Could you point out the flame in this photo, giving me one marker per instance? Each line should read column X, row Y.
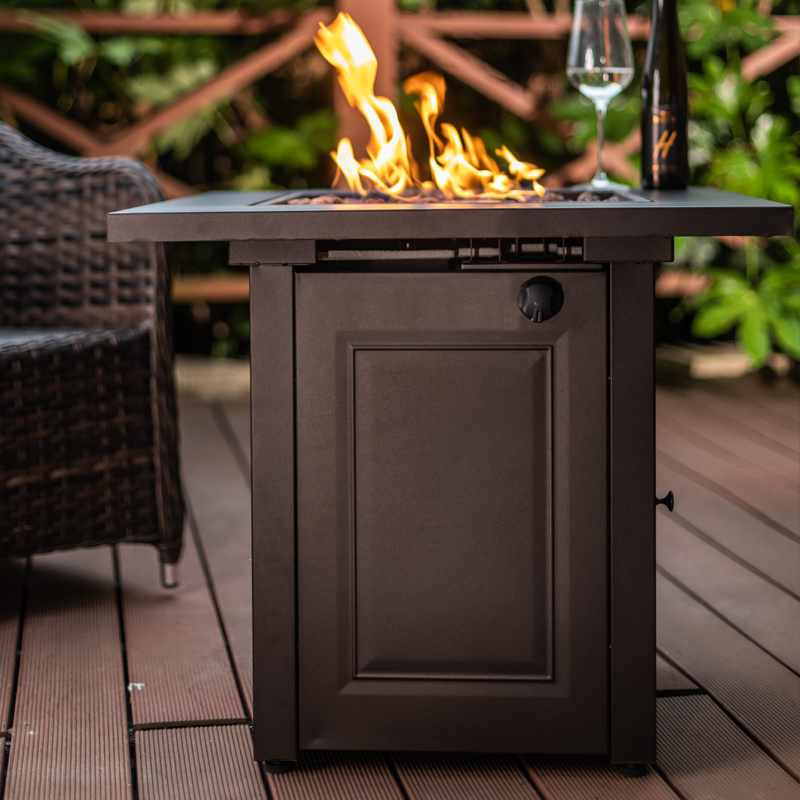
column 459, row 164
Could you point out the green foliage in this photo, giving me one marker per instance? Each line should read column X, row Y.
column 742, row 139
column 767, row 166
column 73, row 44
column 710, row 26
column 299, row 147
column 21, row 55
column 762, row 309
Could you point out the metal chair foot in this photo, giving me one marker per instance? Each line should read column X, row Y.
column 169, row 575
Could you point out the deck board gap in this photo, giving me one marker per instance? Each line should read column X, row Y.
column 520, row 762
column 664, row 777
column 189, row 723
column 229, row 435
column 398, row 778
column 198, row 542
column 712, row 542
column 676, row 582
column 125, row 675
column 711, row 485
column 680, row 692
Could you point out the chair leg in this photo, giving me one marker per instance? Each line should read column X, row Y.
column 169, row 555
column 169, row 575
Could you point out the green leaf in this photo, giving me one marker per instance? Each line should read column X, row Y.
column 719, row 316
column 120, row 50
column 787, row 335
column 282, row 147
column 711, row 26
column 319, row 128
column 184, row 136
column 157, row 89
column 781, row 281
column 21, row 55
column 753, row 335
column 73, row 43
column 297, row 148
column 793, row 90
column 724, row 283
column 253, row 177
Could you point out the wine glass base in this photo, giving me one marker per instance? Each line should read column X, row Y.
column 603, row 184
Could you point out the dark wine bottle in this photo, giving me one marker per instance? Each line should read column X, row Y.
column 665, row 146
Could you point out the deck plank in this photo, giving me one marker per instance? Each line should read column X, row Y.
column 770, row 401
column 739, row 412
column 763, row 546
column 670, row 679
column 202, row 763
column 773, row 502
column 704, row 754
column 12, row 575
column 462, row 776
column 177, row 662
column 759, row 609
column 784, row 397
column 220, row 500
column 591, row 778
column 726, row 439
column 325, row 775
column 70, row 735
column 760, row 693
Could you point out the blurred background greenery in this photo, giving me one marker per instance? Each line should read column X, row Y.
column 279, row 132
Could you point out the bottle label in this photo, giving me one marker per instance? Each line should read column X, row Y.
column 665, row 129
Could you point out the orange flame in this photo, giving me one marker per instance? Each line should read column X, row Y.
column 460, row 165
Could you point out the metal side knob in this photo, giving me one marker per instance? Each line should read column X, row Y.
column 540, row 298
column 668, row 500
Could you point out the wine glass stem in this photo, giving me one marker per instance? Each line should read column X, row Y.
column 601, row 176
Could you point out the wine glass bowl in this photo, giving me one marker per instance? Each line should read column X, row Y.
column 600, row 62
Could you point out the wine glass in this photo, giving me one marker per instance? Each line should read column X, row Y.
column 600, row 62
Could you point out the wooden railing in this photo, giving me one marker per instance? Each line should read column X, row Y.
column 387, row 29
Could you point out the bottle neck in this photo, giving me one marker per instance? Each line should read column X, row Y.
column 665, row 10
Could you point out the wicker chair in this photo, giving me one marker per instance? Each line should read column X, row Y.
column 88, row 433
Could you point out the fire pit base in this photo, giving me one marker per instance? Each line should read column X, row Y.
column 453, row 505
column 460, row 497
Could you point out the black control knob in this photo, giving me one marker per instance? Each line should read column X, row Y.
column 668, row 500
column 540, row 298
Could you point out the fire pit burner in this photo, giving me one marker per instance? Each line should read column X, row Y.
column 579, row 194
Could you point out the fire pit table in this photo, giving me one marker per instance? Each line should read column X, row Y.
column 453, row 463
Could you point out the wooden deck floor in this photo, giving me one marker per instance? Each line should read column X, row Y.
column 113, row 688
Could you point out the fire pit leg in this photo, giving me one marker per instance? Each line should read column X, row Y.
column 632, row 543
column 272, row 392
